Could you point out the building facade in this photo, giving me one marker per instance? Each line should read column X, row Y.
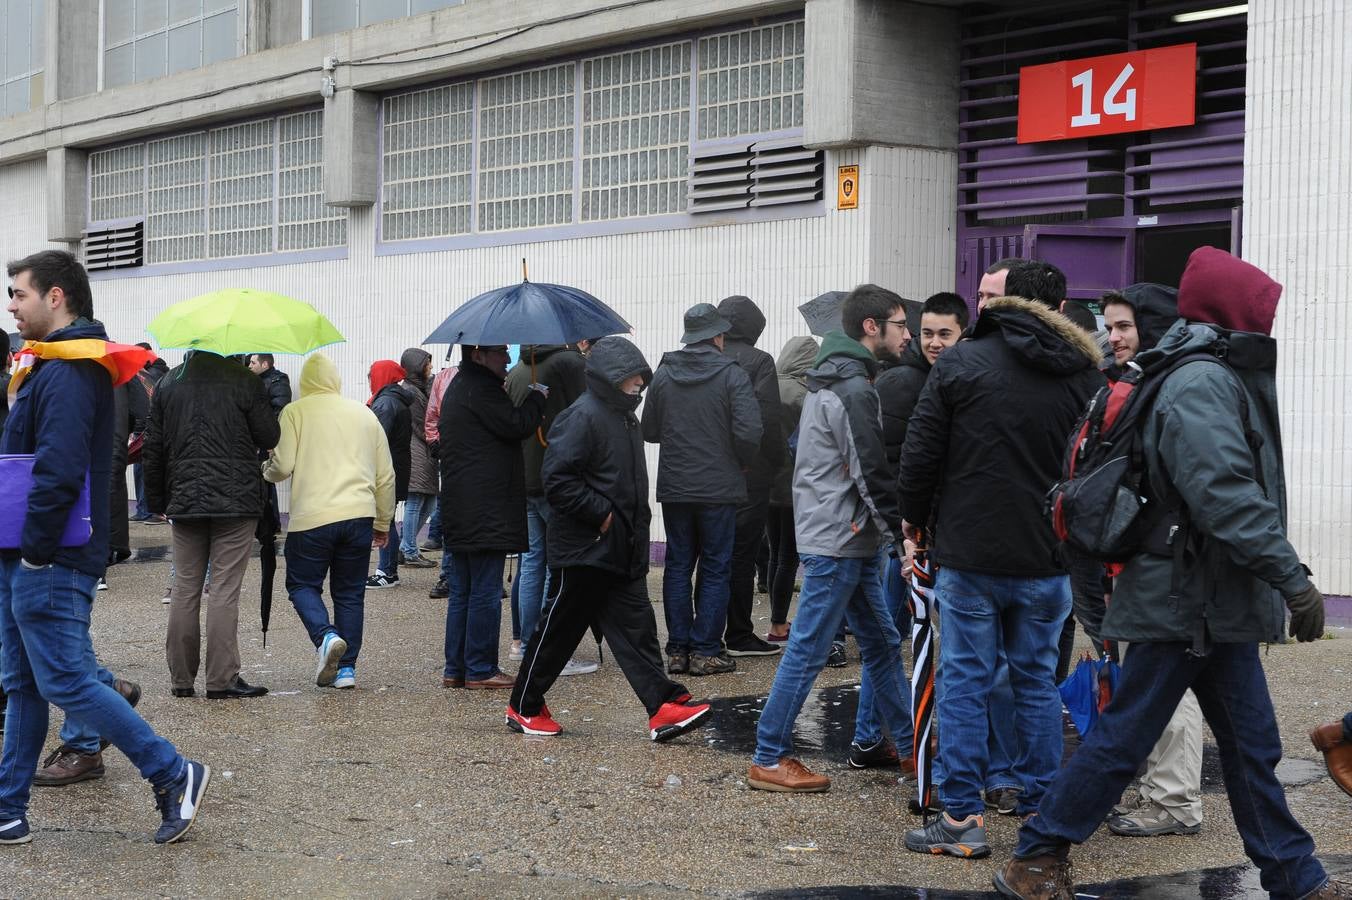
column 388, row 159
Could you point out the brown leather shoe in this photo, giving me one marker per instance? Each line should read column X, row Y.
column 499, row 682
column 66, row 765
column 792, row 777
column 1334, row 890
column 452, row 682
column 1044, row 877
column 1328, row 739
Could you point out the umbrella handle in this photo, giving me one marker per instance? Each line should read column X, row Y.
column 539, row 429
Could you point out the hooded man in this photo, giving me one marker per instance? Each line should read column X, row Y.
column 596, row 478
column 702, row 412
column 794, row 361
column 1211, row 443
column 393, row 407
column 845, row 501
column 992, row 423
column 342, row 501
column 422, row 472
column 739, row 343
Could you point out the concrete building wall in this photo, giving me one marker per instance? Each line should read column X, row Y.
column 1298, row 228
column 23, row 186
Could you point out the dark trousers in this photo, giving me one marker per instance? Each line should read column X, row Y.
column 783, row 562
column 746, row 546
column 1232, row 691
column 342, row 552
column 582, row 597
column 703, row 534
column 119, row 533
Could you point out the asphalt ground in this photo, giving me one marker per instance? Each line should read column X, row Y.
column 404, row 789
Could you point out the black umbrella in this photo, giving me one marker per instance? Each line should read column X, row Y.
column 822, row 312
column 268, row 525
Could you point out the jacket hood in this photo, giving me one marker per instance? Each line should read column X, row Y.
column 414, row 363
column 1244, row 350
column 745, row 317
column 383, row 372
column 797, row 357
column 610, row 361
column 695, row 364
column 840, row 357
column 1226, row 291
column 1041, row 338
column 78, row 330
column 1155, row 307
column 838, row 343
column 319, row 376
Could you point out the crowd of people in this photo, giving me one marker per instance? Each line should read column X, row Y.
column 911, row 429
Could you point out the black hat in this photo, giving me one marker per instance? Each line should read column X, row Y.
column 703, row 321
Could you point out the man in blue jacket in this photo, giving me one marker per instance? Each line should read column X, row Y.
column 62, row 415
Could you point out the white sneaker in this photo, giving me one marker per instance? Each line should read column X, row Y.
column 577, row 667
column 331, row 649
column 102, row 586
column 165, row 601
column 347, row 678
column 517, row 653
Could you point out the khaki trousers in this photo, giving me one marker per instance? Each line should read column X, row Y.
column 224, row 543
column 1173, row 771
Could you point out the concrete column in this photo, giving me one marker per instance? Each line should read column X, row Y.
column 351, row 161
column 67, row 193
column 881, row 72
column 72, row 52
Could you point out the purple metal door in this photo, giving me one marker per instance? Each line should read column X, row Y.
column 1095, row 258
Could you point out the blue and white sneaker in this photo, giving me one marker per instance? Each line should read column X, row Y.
column 15, row 832
column 180, row 802
column 347, row 678
column 331, row 649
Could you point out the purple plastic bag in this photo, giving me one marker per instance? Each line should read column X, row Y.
column 16, row 481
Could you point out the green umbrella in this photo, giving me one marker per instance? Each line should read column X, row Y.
column 241, row 320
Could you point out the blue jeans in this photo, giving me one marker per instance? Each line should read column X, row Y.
column 533, row 578
column 1233, row 693
column 697, row 533
column 138, row 479
column 835, row 589
column 81, row 737
column 474, row 615
column 342, row 551
column 47, row 657
column 387, row 560
column 867, row 729
column 978, row 612
column 416, row 510
column 434, row 522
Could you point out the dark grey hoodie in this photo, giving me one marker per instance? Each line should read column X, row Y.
column 740, row 344
column 702, row 411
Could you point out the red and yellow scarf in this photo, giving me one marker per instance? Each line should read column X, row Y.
column 122, row 361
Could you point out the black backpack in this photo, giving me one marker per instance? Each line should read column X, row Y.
column 1102, row 506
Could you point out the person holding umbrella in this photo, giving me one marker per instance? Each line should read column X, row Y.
column 342, row 502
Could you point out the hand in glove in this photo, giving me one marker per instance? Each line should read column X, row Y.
column 1307, row 614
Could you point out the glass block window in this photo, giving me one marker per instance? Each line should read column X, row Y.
column 330, row 16
column 428, row 150
column 117, row 187
column 751, row 81
column 526, row 149
column 22, row 40
column 303, row 219
column 239, row 195
column 635, row 132
column 176, row 200
column 144, row 39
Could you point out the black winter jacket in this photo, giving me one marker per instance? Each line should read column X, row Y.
column 564, row 371
column 898, row 390
column 702, row 411
column 483, row 484
column 740, row 343
column 393, row 406
column 595, row 466
column 988, row 435
column 208, row 420
column 278, row 385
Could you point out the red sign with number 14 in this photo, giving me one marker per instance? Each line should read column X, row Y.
column 1138, row 91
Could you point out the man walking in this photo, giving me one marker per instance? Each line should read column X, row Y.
column 342, row 500
column 739, row 343
column 208, row 420
column 991, row 422
column 702, row 412
column 596, row 479
column 483, row 481
column 1212, row 460
column 62, row 416
column 845, row 510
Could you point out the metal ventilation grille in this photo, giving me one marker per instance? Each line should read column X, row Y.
column 765, row 173
column 122, row 247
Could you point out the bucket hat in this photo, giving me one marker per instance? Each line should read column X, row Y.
column 703, row 321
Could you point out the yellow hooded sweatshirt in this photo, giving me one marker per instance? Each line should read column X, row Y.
column 335, row 453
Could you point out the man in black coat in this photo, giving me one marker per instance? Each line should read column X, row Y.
column 986, row 439
column 208, row 420
column 483, row 481
column 596, row 479
column 943, row 319
column 740, row 344
column 143, row 389
column 393, row 405
column 276, row 381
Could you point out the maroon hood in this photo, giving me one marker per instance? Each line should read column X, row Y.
column 1220, row 289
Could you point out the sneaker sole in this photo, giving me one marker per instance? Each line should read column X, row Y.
column 525, row 729
column 1004, row 889
column 962, row 851
column 327, row 670
column 667, row 732
column 1121, row 830
column 197, row 807
column 773, row 651
column 874, row 764
column 584, row 669
column 778, row 788
column 382, row 587
column 16, row 841
column 70, row 779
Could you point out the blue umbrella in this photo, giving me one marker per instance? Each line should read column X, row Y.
column 529, row 313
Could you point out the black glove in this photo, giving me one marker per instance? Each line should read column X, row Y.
column 1307, row 614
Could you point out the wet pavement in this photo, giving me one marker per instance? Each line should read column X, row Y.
column 404, row 789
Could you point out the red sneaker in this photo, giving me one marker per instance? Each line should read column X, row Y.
column 542, row 724
column 682, row 698
column 674, row 719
